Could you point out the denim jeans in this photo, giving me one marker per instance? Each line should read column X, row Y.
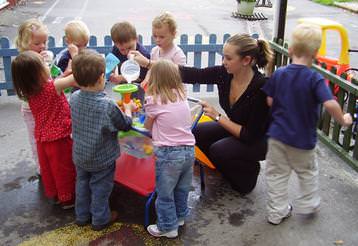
column 174, row 170
column 92, row 195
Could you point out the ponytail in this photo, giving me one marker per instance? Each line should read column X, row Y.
column 258, row 49
column 264, row 54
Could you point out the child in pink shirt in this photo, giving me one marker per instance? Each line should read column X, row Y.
column 169, row 119
column 164, row 30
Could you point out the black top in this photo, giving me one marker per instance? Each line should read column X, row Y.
column 123, row 58
column 250, row 110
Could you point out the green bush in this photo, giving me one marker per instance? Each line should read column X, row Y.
column 330, row 2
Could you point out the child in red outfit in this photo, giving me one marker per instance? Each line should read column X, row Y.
column 52, row 116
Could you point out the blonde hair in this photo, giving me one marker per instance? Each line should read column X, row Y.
column 165, row 82
column 25, row 32
column 258, row 49
column 306, row 40
column 165, row 19
column 123, row 32
column 77, row 30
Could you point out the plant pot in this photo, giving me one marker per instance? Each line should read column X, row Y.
column 245, row 8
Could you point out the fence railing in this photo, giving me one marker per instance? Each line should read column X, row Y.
column 198, row 53
column 343, row 142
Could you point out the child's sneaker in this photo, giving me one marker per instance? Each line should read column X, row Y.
column 154, row 231
column 114, row 217
column 181, row 222
column 277, row 222
column 82, row 223
column 68, row 204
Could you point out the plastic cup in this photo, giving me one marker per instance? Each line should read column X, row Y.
column 111, row 62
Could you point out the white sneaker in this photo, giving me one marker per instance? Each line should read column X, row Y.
column 181, row 222
column 154, row 231
column 277, row 222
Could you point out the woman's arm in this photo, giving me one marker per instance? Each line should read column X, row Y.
column 230, row 126
column 190, row 75
column 209, row 75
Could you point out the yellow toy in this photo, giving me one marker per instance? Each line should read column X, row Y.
column 341, row 63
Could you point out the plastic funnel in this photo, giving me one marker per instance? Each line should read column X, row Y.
column 125, row 90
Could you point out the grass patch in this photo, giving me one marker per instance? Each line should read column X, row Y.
column 330, row 2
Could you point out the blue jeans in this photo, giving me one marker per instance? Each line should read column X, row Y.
column 92, row 195
column 174, row 170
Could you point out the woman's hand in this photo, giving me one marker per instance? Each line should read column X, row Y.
column 209, row 110
column 138, row 57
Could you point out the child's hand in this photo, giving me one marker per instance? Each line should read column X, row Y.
column 47, row 56
column 138, row 57
column 347, row 118
column 73, row 49
column 132, row 106
column 144, row 84
column 68, row 70
column 129, row 108
column 116, row 79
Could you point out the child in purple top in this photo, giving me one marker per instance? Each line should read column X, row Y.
column 169, row 119
column 295, row 93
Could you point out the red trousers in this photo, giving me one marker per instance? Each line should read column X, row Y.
column 58, row 173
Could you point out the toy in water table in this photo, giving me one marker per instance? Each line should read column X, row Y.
column 136, row 142
column 55, row 71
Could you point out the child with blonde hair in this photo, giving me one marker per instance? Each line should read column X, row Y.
column 164, row 30
column 51, row 112
column 295, row 93
column 76, row 36
column 31, row 35
column 168, row 118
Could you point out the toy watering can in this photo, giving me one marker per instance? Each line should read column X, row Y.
column 130, row 70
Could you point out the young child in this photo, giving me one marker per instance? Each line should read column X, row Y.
column 124, row 36
column 96, row 122
column 295, row 93
column 169, row 119
column 76, row 36
column 164, row 30
column 31, row 35
column 32, row 82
